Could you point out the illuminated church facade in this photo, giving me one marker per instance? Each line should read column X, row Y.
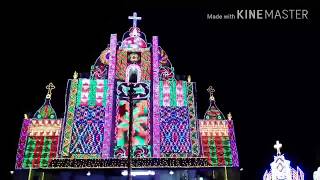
column 281, row 168
column 93, row 133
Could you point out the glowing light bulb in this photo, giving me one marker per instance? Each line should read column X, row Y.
column 171, row 172
column 88, row 173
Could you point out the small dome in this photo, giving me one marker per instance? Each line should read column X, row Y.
column 213, row 111
column 134, row 41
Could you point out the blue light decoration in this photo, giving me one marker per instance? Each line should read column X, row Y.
column 175, row 131
column 281, row 169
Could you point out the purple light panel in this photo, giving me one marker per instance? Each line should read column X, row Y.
column 22, row 143
column 111, row 75
column 155, row 85
column 235, row 160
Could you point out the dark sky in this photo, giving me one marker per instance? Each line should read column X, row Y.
column 264, row 72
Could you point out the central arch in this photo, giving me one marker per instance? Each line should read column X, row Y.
column 132, row 71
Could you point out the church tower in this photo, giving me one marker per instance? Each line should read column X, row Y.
column 39, row 137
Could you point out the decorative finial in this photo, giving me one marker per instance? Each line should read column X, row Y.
column 278, row 146
column 25, row 116
column 75, row 75
column 189, row 78
column 134, row 18
column 211, row 91
column 50, row 87
column 229, row 116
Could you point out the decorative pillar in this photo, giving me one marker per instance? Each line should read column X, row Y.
column 69, row 117
column 109, row 109
column 156, row 107
column 235, row 159
column 22, row 142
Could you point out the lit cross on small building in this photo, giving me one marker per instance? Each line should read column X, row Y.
column 134, row 18
column 50, row 87
column 278, row 146
column 211, row 91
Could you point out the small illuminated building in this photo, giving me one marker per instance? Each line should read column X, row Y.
column 281, row 169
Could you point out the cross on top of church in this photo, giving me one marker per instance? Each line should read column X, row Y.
column 278, row 146
column 134, row 18
column 211, row 90
column 50, row 87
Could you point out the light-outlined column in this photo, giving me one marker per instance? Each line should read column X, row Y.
column 155, row 95
column 109, row 109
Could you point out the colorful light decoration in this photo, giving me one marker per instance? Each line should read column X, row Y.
column 281, row 169
column 109, row 110
column 94, row 130
column 213, row 111
column 141, row 127
column 87, row 130
column 22, row 142
column 175, row 131
column 193, row 120
column 156, row 106
column 39, row 137
column 217, row 136
column 173, row 93
column 89, row 117
column 177, row 162
column 133, row 68
column 69, row 117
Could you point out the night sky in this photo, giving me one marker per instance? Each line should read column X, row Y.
column 264, row 72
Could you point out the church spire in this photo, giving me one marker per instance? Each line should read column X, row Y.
column 46, row 111
column 213, row 111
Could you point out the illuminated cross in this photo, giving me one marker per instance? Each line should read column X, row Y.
column 50, row 87
column 134, row 19
column 278, row 146
column 211, row 91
